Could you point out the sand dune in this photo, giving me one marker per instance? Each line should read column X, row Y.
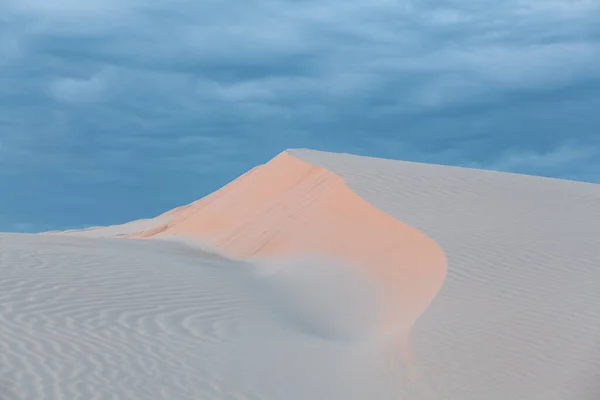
column 290, row 208
column 302, row 278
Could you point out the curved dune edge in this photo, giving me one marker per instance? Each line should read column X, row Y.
column 288, row 207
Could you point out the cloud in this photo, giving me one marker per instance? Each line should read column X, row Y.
column 69, row 12
column 105, row 97
column 556, row 158
column 76, row 90
column 562, row 161
column 9, row 48
column 557, row 9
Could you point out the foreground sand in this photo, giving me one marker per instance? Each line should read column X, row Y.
column 338, row 277
column 109, row 319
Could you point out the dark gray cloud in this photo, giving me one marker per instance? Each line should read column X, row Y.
column 106, row 104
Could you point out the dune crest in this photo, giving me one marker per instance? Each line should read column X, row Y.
column 288, row 207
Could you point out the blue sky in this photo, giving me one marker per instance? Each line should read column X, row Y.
column 112, row 110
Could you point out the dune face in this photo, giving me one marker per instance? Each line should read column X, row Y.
column 290, row 208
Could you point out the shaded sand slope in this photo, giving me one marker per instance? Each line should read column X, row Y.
column 518, row 316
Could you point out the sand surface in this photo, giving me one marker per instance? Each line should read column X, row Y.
column 85, row 318
column 318, row 276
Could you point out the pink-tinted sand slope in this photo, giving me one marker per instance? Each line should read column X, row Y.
column 288, row 207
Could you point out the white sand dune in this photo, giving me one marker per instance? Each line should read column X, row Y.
column 327, row 276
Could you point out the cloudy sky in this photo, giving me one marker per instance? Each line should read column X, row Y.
column 112, row 110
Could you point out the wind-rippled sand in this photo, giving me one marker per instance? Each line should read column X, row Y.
column 106, row 319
